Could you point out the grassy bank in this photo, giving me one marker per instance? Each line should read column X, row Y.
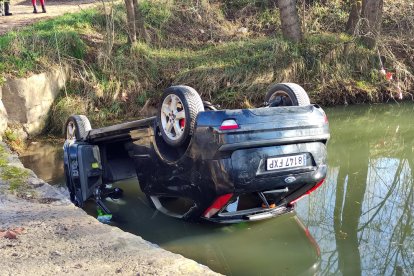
column 231, row 53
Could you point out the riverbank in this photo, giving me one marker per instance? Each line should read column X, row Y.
column 231, row 53
column 55, row 237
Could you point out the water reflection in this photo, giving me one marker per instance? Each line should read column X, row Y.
column 279, row 246
column 45, row 159
column 361, row 218
column 365, row 224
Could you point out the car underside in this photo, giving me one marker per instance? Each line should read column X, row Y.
column 223, row 166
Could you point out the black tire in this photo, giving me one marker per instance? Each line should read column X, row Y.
column 287, row 94
column 191, row 104
column 81, row 126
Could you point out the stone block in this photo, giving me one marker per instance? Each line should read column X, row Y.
column 28, row 100
column 3, row 116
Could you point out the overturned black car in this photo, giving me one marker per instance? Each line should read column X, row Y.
column 194, row 161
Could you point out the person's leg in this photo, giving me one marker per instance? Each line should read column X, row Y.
column 7, row 8
column 42, row 2
column 34, row 6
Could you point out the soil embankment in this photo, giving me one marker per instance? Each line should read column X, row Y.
column 55, row 237
column 229, row 51
column 23, row 12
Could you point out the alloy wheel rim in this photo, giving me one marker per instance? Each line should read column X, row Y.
column 70, row 131
column 173, row 117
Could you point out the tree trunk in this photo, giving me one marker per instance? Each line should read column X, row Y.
column 291, row 28
column 132, row 34
column 372, row 12
column 139, row 23
column 354, row 16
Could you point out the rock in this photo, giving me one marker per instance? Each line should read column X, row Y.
column 3, row 115
column 243, row 30
column 18, row 230
column 36, row 182
column 10, row 235
column 55, row 254
column 28, row 100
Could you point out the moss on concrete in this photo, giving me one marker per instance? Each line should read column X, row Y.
column 15, row 177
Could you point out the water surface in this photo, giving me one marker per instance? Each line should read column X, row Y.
column 360, row 222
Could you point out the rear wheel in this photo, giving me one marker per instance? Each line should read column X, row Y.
column 177, row 114
column 77, row 127
column 209, row 106
column 287, row 94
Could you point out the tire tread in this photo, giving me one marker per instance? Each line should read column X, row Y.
column 300, row 93
column 301, row 97
column 82, row 124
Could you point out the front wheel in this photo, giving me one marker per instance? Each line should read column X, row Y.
column 177, row 114
column 77, row 127
column 287, row 94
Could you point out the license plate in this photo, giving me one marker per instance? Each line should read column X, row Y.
column 286, row 162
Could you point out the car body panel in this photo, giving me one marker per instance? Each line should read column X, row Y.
column 216, row 162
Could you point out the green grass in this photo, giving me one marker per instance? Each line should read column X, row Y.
column 230, row 71
column 37, row 47
column 156, row 13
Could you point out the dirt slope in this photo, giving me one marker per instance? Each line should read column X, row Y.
column 23, row 12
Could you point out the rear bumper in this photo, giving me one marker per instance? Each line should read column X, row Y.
column 255, row 214
column 245, row 173
column 275, row 190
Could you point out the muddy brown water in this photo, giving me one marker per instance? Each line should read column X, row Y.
column 360, row 222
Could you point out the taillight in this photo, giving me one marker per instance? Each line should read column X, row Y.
column 308, row 192
column 219, row 203
column 229, row 124
column 325, row 119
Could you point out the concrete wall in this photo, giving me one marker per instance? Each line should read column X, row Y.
column 27, row 101
column 3, row 115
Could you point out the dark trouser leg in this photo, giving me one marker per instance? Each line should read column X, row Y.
column 34, row 6
column 7, row 8
column 42, row 2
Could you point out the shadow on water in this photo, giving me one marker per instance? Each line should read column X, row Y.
column 361, row 218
